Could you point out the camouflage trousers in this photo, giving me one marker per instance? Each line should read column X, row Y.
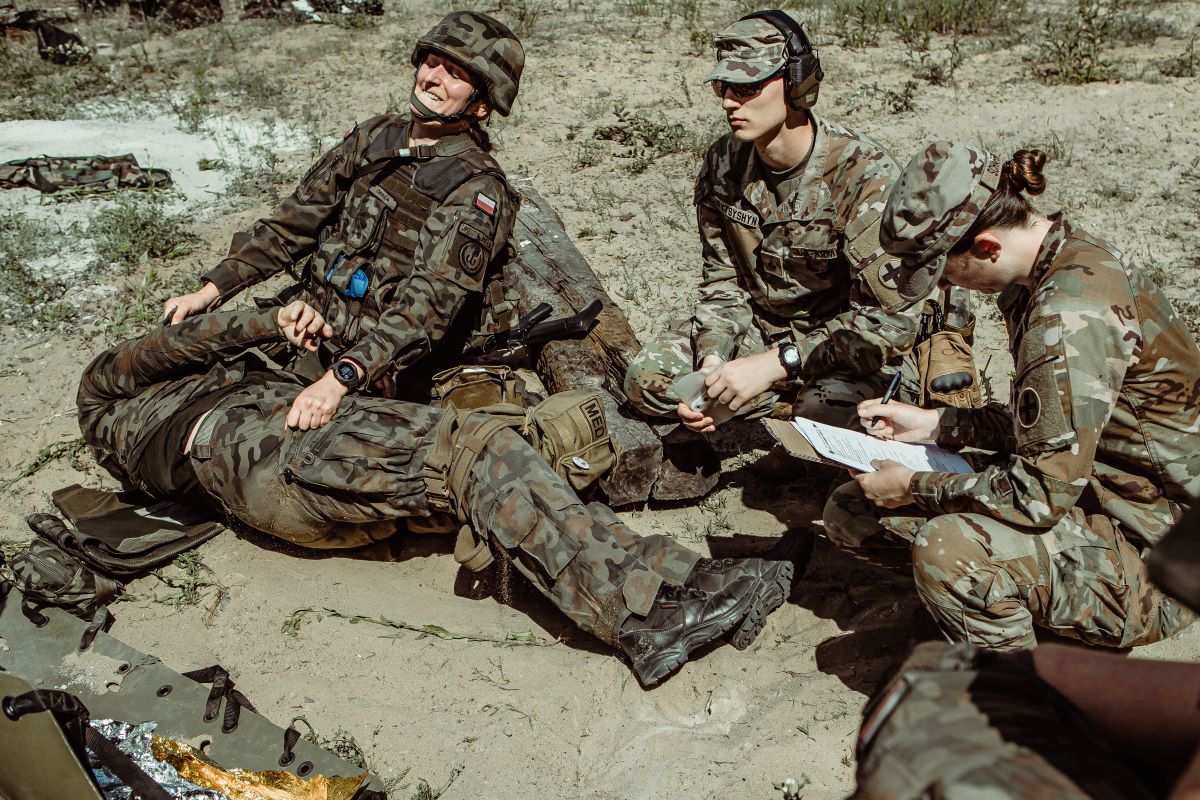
column 351, row 481
column 830, row 398
column 989, row 583
column 957, row 723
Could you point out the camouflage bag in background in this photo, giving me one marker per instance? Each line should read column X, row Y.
column 49, row 576
column 80, row 175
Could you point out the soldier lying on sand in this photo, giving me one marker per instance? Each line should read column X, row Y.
column 185, row 413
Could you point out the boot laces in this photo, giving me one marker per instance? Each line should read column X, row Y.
column 680, row 593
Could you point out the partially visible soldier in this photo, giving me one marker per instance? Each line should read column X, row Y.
column 185, row 413
column 396, row 230
column 1062, row 722
column 796, row 294
column 1097, row 455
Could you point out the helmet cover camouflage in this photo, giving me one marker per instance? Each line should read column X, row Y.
column 483, row 45
column 932, row 204
column 750, row 50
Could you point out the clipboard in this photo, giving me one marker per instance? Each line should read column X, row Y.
column 828, row 444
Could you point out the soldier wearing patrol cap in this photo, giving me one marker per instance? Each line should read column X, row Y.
column 796, row 294
column 394, row 229
column 1096, row 455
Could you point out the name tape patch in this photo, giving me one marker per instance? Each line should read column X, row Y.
column 383, row 197
column 738, row 215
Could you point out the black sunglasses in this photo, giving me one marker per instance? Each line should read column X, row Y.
column 742, row 90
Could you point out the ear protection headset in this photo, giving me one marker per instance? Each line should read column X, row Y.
column 802, row 73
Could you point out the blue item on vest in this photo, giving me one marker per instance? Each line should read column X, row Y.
column 359, row 282
column 337, row 261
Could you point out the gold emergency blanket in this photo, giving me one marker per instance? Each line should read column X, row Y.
column 240, row 784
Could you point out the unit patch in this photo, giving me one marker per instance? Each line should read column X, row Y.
column 470, row 258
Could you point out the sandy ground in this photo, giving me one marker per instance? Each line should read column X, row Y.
column 568, row 720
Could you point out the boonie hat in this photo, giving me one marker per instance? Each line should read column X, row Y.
column 749, row 50
column 937, row 198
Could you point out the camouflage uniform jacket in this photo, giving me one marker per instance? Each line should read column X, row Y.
column 400, row 240
column 1106, row 397
column 177, row 365
column 810, row 269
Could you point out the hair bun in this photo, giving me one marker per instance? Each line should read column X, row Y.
column 1024, row 171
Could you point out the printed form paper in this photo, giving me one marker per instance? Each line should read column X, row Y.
column 857, row 450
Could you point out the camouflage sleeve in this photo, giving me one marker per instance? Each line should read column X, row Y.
column 456, row 244
column 987, row 428
column 191, row 346
column 723, row 312
column 276, row 242
column 879, row 326
column 1070, row 366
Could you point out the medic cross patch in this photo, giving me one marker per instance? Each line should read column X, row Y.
column 1029, row 407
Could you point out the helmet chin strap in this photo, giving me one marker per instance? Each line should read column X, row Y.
column 424, row 112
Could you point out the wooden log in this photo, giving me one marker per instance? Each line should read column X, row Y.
column 548, row 268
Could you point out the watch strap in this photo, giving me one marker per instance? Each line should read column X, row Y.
column 789, row 358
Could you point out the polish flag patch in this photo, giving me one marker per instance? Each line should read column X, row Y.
column 485, row 204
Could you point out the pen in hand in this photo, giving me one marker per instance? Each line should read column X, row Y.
column 891, row 390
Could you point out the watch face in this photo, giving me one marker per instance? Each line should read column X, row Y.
column 346, row 373
column 791, row 355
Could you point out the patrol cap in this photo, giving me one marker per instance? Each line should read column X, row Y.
column 750, row 50
column 937, row 198
column 485, row 46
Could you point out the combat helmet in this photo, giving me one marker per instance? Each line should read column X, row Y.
column 483, row 45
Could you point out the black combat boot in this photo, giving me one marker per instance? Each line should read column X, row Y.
column 681, row 620
column 772, row 584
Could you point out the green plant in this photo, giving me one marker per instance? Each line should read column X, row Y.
column 37, row 89
column 1183, row 65
column 1116, row 190
column 528, row 15
column 939, row 71
column 859, row 22
column 1139, row 28
column 136, row 228
column 192, row 107
column 138, row 306
column 1058, row 148
column 1072, row 49
column 192, row 577
column 649, row 137
column 895, row 102
column 33, row 297
column 957, row 17
column 1189, row 312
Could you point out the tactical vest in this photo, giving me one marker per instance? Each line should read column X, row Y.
column 366, row 255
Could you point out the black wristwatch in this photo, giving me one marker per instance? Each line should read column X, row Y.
column 789, row 357
column 347, row 374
